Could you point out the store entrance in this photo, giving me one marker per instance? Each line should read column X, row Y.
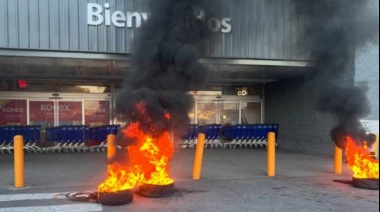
column 57, row 109
column 228, row 110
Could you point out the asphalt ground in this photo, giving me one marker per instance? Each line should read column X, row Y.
column 232, row 180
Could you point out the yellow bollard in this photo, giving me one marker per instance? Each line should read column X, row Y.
column 199, row 156
column 338, row 160
column 111, row 148
column 18, row 144
column 271, row 154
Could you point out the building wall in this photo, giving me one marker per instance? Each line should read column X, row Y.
column 260, row 29
column 367, row 71
column 302, row 129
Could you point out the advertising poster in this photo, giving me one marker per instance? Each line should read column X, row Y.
column 42, row 113
column 97, row 112
column 70, row 113
column 13, row 112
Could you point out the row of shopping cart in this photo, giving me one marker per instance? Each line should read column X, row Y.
column 76, row 138
column 30, row 133
column 232, row 136
column 67, row 138
column 212, row 136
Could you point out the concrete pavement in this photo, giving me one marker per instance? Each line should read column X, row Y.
column 232, row 180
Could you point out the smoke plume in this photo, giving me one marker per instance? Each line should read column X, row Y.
column 335, row 29
column 164, row 67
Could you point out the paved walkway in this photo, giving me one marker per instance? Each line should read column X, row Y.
column 232, row 180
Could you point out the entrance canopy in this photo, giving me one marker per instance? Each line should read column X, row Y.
column 99, row 67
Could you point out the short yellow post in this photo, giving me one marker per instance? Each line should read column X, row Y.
column 111, row 148
column 271, row 154
column 338, row 160
column 18, row 144
column 199, row 156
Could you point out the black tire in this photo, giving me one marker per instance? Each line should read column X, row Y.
column 115, row 199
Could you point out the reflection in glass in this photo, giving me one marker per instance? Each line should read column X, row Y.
column 251, row 113
column 229, row 113
column 207, row 113
column 192, row 116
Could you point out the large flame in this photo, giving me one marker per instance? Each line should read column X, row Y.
column 360, row 161
column 148, row 163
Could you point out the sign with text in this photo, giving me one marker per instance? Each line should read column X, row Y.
column 98, row 15
column 42, row 113
column 97, row 112
column 70, row 112
column 13, row 112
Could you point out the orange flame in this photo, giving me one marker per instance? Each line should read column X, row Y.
column 120, row 178
column 360, row 161
column 149, row 159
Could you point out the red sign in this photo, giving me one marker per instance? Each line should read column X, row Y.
column 70, row 112
column 97, row 112
column 12, row 112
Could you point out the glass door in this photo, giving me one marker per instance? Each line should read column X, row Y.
column 70, row 112
column 207, row 112
column 217, row 112
column 42, row 112
column 97, row 112
column 251, row 113
column 229, row 113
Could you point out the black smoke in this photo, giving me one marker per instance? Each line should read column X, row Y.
column 335, row 29
column 164, row 67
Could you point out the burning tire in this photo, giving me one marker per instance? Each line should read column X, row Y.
column 114, row 199
column 366, row 183
column 156, row 191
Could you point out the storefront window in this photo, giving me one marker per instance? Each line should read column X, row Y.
column 192, row 116
column 251, row 113
column 42, row 113
column 13, row 112
column 229, row 113
column 70, row 113
column 207, row 113
column 96, row 112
